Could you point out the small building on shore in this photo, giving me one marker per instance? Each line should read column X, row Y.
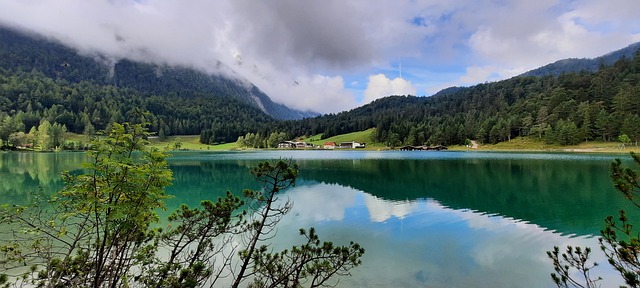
column 294, row 145
column 329, row 145
column 410, row 148
column 422, row 148
column 303, row 145
column 352, row 144
column 287, row 145
column 437, row 148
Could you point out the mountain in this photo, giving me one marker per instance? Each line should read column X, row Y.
column 588, row 65
column 43, row 80
column 22, row 52
column 565, row 109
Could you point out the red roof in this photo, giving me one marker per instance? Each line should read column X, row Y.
column 329, row 144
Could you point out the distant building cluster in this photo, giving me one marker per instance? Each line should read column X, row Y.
column 422, row 148
column 326, row 145
column 294, row 145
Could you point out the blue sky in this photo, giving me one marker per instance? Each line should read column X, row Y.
column 333, row 55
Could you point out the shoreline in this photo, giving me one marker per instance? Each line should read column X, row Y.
column 515, row 145
column 577, row 150
column 599, row 150
column 454, row 149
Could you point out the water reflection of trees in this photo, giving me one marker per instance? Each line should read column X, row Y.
column 24, row 173
column 198, row 180
column 569, row 196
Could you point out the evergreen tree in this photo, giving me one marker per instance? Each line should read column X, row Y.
column 631, row 127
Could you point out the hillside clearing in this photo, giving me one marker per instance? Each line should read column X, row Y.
column 532, row 143
column 360, row 136
column 190, row 142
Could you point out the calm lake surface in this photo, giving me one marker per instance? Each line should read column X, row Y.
column 427, row 219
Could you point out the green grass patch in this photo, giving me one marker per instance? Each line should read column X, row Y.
column 312, row 138
column 223, row 147
column 527, row 143
column 534, row 143
column 521, row 143
column 189, row 142
column 361, row 136
column 69, row 136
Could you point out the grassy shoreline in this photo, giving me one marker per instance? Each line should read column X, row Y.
column 520, row 144
column 533, row 144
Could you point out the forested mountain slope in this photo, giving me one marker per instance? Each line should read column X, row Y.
column 564, row 109
column 26, row 53
column 27, row 98
column 43, row 80
column 587, row 65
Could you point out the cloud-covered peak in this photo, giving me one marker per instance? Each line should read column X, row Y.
column 320, row 45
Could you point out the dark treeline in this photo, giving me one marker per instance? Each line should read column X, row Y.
column 566, row 109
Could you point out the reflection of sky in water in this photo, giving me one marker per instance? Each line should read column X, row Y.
column 420, row 243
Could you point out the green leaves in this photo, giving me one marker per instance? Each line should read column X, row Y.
column 276, row 175
column 627, row 180
column 312, row 264
column 577, row 258
column 99, row 230
column 91, row 232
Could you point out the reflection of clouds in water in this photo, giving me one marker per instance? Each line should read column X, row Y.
column 320, row 202
column 520, row 242
column 381, row 210
column 424, row 243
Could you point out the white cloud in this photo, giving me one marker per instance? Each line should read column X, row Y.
column 318, row 44
column 619, row 14
column 318, row 93
column 271, row 45
column 478, row 74
column 380, row 86
column 536, row 33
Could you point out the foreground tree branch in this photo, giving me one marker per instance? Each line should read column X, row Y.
column 101, row 230
column 618, row 241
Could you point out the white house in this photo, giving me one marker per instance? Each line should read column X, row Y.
column 293, row 145
column 351, row 144
column 287, row 144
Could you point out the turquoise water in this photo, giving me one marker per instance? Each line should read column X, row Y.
column 427, row 219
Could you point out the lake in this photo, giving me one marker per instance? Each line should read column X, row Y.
column 426, row 219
